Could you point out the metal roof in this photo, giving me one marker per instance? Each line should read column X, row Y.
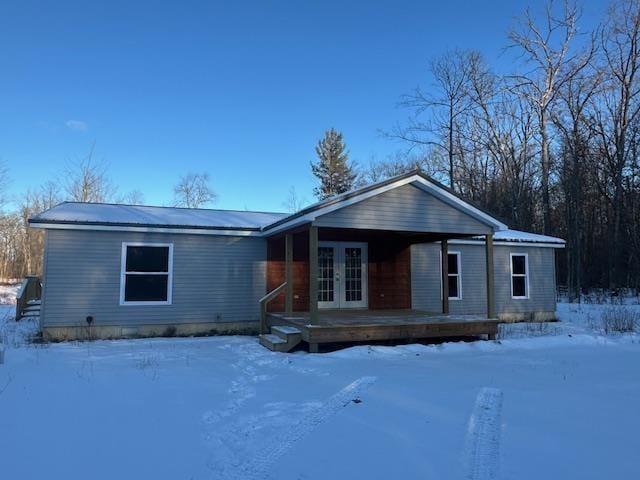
column 75, row 213
column 153, row 218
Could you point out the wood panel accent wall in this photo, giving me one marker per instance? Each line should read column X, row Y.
column 275, row 272
column 389, row 267
column 389, row 274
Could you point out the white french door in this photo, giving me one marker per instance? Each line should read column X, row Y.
column 342, row 275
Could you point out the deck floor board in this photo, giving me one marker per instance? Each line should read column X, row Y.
column 368, row 325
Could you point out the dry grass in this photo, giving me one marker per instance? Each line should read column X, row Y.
column 619, row 320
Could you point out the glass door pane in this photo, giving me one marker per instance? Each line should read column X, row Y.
column 326, row 286
column 353, row 274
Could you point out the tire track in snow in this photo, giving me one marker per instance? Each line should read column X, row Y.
column 259, row 466
column 483, row 436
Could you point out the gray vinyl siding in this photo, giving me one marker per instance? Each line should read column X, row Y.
column 43, row 293
column 215, row 279
column 542, row 280
column 406, row 208
column 426, row 285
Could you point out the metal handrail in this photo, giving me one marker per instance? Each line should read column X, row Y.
column 263, row 305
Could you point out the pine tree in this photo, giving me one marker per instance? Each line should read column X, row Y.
column 332, row 168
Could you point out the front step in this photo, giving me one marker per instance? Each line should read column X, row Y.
column 290, row 334
column 32, row 310
column 282, row 339
column 273, row 342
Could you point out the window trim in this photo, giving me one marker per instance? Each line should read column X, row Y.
column 123, row 274
column 525, row 276
column 458, row 254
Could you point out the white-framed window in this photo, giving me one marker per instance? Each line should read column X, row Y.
column 519, row 275
column 146, row 273
column 454, row 268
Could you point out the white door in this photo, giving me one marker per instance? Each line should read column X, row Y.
column 342, row 275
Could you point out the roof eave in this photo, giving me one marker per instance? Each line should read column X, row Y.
column 143, row 228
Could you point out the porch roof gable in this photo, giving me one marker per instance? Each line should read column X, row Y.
column 416, row 178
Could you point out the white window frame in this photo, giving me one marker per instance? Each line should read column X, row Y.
column 525, row 276
column 459, row 274
column 124, row 273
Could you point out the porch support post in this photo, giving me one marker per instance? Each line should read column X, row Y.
column 313, row 274
column 491, row 311
column 288, row 273
column 445, row 275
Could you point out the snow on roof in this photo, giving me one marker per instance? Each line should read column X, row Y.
column 519, row 236
column 138, row 215
column 206, row 219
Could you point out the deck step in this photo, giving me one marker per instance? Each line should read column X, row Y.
column 286, row 332
column 32, row 308
column 30, row 314
column 282, row 338
column 273, row 342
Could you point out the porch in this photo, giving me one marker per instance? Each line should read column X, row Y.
column 360, row 280
column 365, row 325
column 341, row 270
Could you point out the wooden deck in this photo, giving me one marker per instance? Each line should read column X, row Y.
column 357, row 325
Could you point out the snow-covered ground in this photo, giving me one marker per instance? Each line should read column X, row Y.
column 8, row 293
column 554, row 401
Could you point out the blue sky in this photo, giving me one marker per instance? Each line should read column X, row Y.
column 242, row 90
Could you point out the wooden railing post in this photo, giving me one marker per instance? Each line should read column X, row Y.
column 30, row 289
column 288, row 273
column 445, row 275
column 263, row 305
column 491, row 312
column 313, row 274
column 263, row 318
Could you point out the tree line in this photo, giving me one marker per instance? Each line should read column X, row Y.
column 552, row 146
column 83, row 180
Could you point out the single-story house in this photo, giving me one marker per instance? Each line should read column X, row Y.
column 402, row 258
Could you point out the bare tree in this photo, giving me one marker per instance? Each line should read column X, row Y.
column 574, row 122
column 49, row 195
column 397, row 164
column 4, row 183
column 134, row 197
column 86, row 180
column 32, row 241
column 21, row 247
column 193, row 191
column 437, row 112
column 618, row 112
column 294, row 202
column 547, row 49
column 10, row 246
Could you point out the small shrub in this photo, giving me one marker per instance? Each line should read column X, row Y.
column 619, row 320
column 170, row 331
column 592, row 321
column 537, row 328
